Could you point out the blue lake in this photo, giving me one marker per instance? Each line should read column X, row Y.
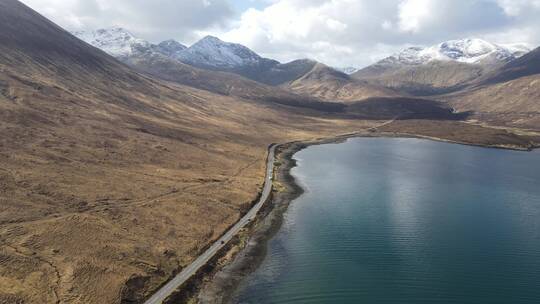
column 406, row 221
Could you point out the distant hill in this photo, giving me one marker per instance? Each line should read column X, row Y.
column 509, row 94
column 332, row 85
column 527, row 65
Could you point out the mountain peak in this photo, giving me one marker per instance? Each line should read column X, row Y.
column 115, row 41
column 171, row 42
column 212, row 51
column 171, row 48
column 211, row 38
column 216, row 42
column 468, row 50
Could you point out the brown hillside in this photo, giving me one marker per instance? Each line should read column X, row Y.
column 429, row 79
column 331, row 85
column 111, row 180
column 508, row 95
column 223, row 83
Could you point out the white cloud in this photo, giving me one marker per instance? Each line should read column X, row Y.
column 387, row 25
column 356, row 32
column 337, row 32
column 517, row 7
column 413, row 13
column 153, row 20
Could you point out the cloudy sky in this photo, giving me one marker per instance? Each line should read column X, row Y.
column 336, row 32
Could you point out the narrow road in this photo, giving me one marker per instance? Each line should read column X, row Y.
column 165, row 291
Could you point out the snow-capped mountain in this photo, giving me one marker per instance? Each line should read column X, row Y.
column 473, row 51
column 208, row 52
column 171, row 48
column 441, row 68
column 212, row 52
column 115, row 41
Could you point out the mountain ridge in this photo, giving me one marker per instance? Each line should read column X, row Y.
column 209, row 53
column 445, row 67
column 507, row 95
column 469, row 50
column 212, row 52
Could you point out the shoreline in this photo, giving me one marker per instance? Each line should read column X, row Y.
column 221, row 282
column 221, row 288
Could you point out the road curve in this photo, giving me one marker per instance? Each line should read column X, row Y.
column 165, row 291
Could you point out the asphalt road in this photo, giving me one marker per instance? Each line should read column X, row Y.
column 192, row 268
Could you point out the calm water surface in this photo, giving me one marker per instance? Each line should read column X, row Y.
column 406, row 221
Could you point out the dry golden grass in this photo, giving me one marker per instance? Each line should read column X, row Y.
column 515, row 102
column 432, row 78
column 103, row 199
column 466, row 133
column 104, row 205
column 111, row 181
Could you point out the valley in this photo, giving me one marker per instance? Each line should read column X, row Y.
column 121, row 160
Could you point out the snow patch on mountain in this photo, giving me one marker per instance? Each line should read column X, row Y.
column 348, row 70
column 116, row 41
column 211, row 51
column 171, row 48
column 517, row 49
column 207, row 52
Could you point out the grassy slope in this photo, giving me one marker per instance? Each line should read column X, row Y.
column 509, row 95
column 429, row 79
column 328, row 84
column 110, row 180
